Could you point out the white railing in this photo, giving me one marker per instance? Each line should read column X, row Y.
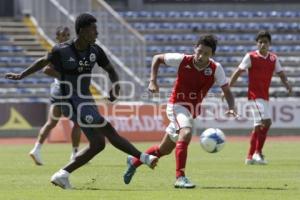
column 124, row 45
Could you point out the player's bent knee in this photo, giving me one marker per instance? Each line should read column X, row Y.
column 97, row 147
column 185, row 133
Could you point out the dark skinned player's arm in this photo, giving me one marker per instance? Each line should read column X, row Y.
column 36, row 66
column 114, row 78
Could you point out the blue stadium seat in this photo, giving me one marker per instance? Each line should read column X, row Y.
column 201, row 14
column 4, row 59
column 159, row 14
column 173, row 14
column 4, row 37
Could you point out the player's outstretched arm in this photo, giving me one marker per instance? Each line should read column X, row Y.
column 230, row 101
column 285, row 82
column 36, row 66
column 156, row 62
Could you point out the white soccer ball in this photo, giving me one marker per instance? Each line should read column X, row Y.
column 212, row 140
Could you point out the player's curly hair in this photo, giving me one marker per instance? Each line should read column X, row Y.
column 84, row 20
column 208, row 40
column 262, row 34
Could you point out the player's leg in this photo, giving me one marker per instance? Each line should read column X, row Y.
column 261, row 138
column 252, row 147
column 54, row 114
column 96, row 128
column 255, row 107
column 185, row 135
column 96, row 145
column 265, row 123
column 75, row 137
column 124, row 145
column 90, row 117
column 164, row 148
column 183, row 123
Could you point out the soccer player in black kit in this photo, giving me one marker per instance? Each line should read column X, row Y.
column 74, row 60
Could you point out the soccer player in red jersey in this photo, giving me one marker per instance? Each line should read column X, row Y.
column 196, row 74
column 62, row 35
column 261, row 65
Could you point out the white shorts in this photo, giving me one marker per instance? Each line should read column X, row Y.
column 260, row 110
column 180, row 117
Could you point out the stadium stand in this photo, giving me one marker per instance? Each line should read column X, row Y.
column 176, row 31
column 18, row 49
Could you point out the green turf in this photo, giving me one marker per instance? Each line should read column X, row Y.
column 218, row 176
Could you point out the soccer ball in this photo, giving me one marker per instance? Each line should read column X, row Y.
column 212, row 140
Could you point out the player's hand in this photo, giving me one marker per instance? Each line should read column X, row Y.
column 153, row 87
column 13, row 76
column 232, row 113
column 114, row 93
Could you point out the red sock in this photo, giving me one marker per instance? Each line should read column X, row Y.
column 181, row 157
column 261, row 138
column 154, row 150
column 253, row 142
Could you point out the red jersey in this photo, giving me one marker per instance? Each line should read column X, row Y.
column 260, row 72
column 192, row 85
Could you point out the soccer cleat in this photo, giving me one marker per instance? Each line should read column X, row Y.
column 62, row 180
column 259, row 159
column 249, row 161
column 131, row 169
column 151, row 161
column 36, row 156
column 183, row 182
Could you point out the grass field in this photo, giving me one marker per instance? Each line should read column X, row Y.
column 218, row 176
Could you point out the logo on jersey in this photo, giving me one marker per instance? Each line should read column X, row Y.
column 80, row 69
column 71, row 59
column 89, row 119
column 208, row 71
column 83, row 64
column 92, row 57
column 188, row 67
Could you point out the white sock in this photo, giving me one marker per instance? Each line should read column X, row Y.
column 143, row 157
column 75, row 150
column 37, row 146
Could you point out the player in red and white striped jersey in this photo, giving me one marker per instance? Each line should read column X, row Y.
column 261, row 64
column 196, row 74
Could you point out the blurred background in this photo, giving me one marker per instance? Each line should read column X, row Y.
column 131, row 32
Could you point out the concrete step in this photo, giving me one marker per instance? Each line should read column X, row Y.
column 15, row 31
column 37, row 54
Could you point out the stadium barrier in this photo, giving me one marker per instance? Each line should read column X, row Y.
column 147, row 122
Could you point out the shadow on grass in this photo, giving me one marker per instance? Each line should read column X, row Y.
column 112, row 189
column 197, row 188
column 243, row 188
